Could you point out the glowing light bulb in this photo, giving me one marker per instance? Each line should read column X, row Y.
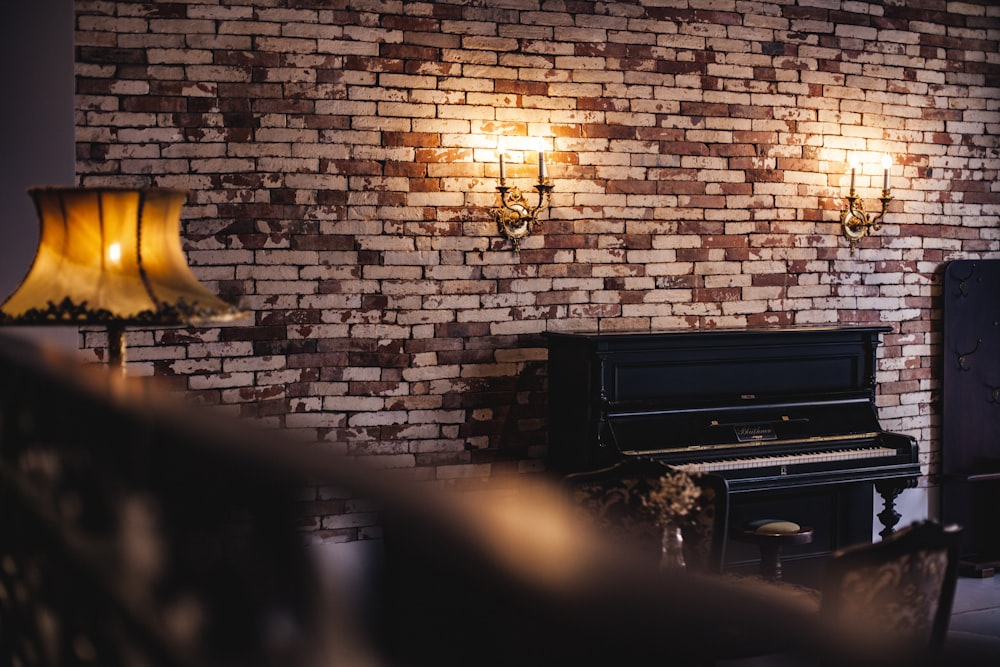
column 115, row 253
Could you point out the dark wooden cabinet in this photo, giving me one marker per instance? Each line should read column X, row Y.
column 970, row 454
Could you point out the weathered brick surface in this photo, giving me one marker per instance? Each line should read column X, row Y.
column 341, row 162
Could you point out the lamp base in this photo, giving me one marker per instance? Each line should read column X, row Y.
column 116, row 347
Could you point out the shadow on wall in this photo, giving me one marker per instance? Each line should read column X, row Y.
column 522, row 400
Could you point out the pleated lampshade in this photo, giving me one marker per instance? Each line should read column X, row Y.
column 111, row 255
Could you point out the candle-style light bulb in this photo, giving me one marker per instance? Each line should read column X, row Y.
column 886, row 165
column 501, row 149
column 854, row 166
column 541, row 166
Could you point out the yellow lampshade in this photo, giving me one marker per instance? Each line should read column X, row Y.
column 108, row 255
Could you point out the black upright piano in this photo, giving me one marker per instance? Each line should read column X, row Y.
column 786, row 415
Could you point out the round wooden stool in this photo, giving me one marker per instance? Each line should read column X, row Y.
column 770, row 535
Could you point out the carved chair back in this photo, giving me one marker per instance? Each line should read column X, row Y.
column 896, row 593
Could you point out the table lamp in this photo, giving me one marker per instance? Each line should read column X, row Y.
column 111, row 257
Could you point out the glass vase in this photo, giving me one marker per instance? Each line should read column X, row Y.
column 672, row 548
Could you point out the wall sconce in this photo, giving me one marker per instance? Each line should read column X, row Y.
column 515, row 217
column 855, row 222
column 111, row 257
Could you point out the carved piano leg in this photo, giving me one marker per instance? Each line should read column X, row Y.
column 890, row 490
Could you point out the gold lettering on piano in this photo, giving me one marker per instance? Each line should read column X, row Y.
column 754, row 432
column 784, row 470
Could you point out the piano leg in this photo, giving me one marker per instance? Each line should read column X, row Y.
column 890, row 489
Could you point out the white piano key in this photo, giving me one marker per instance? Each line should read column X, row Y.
column 788, row 459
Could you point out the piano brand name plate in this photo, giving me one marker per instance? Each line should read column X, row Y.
column 754, row 433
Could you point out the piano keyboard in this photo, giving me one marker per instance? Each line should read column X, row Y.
column 788, row 459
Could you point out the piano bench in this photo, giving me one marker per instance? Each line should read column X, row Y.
column 770, row 535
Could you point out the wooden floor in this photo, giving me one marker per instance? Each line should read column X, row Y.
column 973, row 635
column 976, row 613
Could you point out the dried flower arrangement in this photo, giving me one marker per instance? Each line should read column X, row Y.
column 672, row 498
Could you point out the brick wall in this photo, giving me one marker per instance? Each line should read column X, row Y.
column 341, row 162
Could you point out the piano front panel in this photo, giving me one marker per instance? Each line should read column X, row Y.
column 630, row 378
column 716, row 366
column 683, row 430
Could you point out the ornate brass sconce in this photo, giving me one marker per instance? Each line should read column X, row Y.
column 855, row 222
column 515, row 217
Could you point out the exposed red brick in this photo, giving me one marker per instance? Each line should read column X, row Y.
column 365, row 149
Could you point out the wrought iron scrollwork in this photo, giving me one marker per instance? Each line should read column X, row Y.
column 963, row 289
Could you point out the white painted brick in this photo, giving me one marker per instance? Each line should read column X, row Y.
column 357, row 192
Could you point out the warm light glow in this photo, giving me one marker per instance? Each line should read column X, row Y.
column 115, row 253
column 855, row 222
column 534, row 531
column 515, row 217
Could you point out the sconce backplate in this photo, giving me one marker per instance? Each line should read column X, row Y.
column 855, row 223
